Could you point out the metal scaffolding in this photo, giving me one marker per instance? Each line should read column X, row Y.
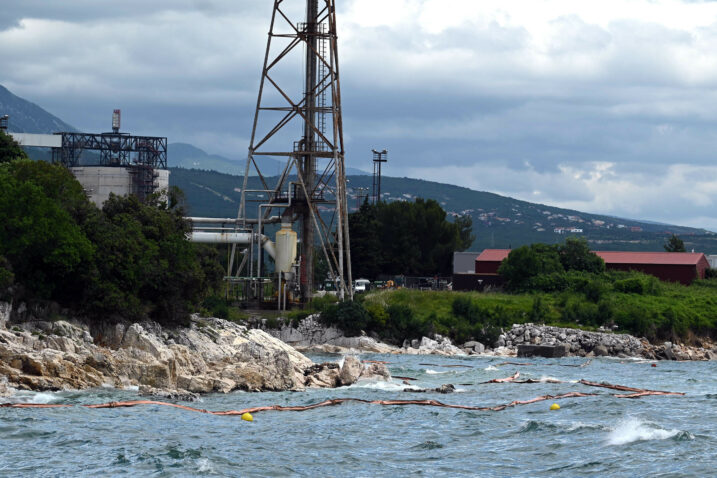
column 116, row 149
column 311, row 189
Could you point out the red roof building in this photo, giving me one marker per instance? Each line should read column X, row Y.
column 683, row 267
column 489, row 261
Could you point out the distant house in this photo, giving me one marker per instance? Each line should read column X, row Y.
column 490, row 260
column 465, row 275
column 683, row 267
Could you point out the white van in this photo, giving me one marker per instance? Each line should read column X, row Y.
column 361, row 285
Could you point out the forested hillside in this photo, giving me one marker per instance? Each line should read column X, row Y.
column 498, row 221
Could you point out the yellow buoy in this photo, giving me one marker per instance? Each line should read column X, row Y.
column 247, row 416
column 554, row 406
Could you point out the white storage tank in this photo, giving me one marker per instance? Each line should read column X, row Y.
column 285, row 248
column 99, row 181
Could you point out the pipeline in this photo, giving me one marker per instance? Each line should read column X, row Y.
column 244, row 238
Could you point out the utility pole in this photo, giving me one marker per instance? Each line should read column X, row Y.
column 360, row 196
column 379, row 157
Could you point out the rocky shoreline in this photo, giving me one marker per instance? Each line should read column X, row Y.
column 522, row 339
column 214, row 355
column 210, row 355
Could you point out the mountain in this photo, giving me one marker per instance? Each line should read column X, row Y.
column 183, row 155
column 27, row 117
column 498, row 221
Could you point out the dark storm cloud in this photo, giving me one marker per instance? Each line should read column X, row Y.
column 557, row 103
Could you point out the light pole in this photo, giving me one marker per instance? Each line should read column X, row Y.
column 378, row 158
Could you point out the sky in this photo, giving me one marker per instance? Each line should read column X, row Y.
column 606, row 107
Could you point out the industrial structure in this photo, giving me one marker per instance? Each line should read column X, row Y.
column 298, row 120
column 682, row 267
column 127, row 164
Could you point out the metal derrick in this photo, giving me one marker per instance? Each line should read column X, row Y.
column 311, row 189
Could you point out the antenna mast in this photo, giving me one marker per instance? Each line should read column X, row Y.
column 304, row 127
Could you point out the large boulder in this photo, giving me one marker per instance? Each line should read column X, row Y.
column 350, row 370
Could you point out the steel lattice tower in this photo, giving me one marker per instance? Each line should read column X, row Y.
column 304, row 127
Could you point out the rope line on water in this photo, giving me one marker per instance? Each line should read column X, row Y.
column 301, row 408
column 635, row 393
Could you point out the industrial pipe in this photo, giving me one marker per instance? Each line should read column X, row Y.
column 245, row 238
column 227, row 220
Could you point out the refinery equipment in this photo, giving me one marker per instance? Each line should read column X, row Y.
column 127, row 164
column 297, row 120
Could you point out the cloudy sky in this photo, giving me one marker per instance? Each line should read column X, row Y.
column 604, row 106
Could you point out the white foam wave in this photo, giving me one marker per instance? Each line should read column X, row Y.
column 204, row 466
column 341, row 361
column 633, row 429
column 583, row 426
column 435, row 372
column 490, row 368
column 380, row 385
column 38, row 397
column 548, row 378
column 132, row 388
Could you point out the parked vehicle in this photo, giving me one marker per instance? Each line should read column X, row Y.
column 361, row 285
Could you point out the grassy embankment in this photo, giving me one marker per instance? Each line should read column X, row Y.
column 635, row 303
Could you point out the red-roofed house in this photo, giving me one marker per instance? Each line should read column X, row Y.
column 683, row 267
column 490, row 260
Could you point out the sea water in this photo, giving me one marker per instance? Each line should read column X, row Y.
column 656, row 436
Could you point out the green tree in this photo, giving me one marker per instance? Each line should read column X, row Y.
column 465, row 231
column 9, row 149
column 366, row 251
column 527, row 262
column 405, row 238
column 44, row 244
column 674, row 244
column 576, row 255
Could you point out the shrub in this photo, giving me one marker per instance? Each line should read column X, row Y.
column 216, row 307
column 633, row 285
column 379, row 316
column 349, row 316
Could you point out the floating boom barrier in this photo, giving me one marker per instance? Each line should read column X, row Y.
column 635, row 393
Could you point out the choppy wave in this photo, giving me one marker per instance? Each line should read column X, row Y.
column 380, row 385
column 34, row 397
column 490, row 368
column 436, row 372
column 204, row 466
column 633, row 429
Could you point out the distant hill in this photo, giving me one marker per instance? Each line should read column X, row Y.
column 498, row 221
column 27, row 117
column 183, row 155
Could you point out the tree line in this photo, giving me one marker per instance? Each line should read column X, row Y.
column 128, row 260
column 409, row 238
